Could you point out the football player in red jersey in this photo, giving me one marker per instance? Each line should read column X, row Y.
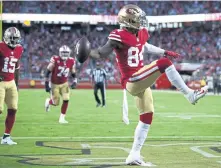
column 10, row 54
column 129, row 44
column 60, row 67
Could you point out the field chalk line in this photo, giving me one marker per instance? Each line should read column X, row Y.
column 124, row 137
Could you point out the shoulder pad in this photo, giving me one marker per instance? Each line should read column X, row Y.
column 72, row 60
column 123, row 36
column 115, row 35
column 53, row 59
column 143, row 35
column 20, row 47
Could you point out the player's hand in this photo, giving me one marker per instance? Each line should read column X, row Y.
column 74, row 84
column 171, row 54
column 17, row 87
column 47, row 88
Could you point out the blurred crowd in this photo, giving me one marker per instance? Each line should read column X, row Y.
column 111, row 7
column 196, row 44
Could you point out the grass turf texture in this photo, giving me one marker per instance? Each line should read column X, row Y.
column 178, row 128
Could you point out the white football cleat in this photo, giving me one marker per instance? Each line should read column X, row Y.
column 8, row 141
column 195, row 95
column 63, row 121
column 47, row 105
column 135, row 159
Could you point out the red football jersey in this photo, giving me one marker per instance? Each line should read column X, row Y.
column 61, row 69
column 8, row 60
column 130, row 57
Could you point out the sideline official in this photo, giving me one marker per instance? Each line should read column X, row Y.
column 99, row 76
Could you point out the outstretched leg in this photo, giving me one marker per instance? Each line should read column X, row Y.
column 147, row 75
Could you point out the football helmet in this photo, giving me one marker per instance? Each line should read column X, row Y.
column 12, row 37
column 131, row 16
column 64, row 52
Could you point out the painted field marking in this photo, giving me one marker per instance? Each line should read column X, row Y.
column 95, row 161
column 124, row 137
column 206, row 154
column 111, row 147
column 85, row 146
column 113, row 122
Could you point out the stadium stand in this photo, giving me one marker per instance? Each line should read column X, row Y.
column 196, row 42
column 112, row 7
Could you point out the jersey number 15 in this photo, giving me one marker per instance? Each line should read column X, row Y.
column 9, row 65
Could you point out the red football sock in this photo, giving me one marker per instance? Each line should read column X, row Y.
column 51, row 102
column 147, row 118
column 10, row 120
column 64, row 107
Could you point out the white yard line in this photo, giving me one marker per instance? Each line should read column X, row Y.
column 123, row 137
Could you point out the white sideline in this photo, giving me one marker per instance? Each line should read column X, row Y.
column 126, row 137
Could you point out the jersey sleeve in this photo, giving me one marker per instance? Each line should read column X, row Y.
column 114, row 35
column 143, row 35
column 53, row 60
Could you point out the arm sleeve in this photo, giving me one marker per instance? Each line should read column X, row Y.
column 149, row 48
column 47, row 73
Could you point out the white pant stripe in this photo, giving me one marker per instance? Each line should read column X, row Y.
column 135, row 78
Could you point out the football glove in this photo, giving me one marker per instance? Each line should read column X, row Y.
column 74, row 84
column 171, row 54
column 47, row 88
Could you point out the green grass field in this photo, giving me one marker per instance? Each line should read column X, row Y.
column 182, row 135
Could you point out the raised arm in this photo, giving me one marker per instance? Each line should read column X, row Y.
column 105, row 50
column 149, row 48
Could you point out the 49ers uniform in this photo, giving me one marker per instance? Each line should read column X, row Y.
column 8, row 63
column 135, row 77
column 59, row 78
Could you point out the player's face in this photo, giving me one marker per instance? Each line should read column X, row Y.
column 12, row 37
column 64, row 55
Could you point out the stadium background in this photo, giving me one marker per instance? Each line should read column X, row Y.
column 181, row 135
column 198, row 42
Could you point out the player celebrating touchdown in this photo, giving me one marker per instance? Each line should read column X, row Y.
column 10, row 54
column 129, row 44
column 60, row 67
